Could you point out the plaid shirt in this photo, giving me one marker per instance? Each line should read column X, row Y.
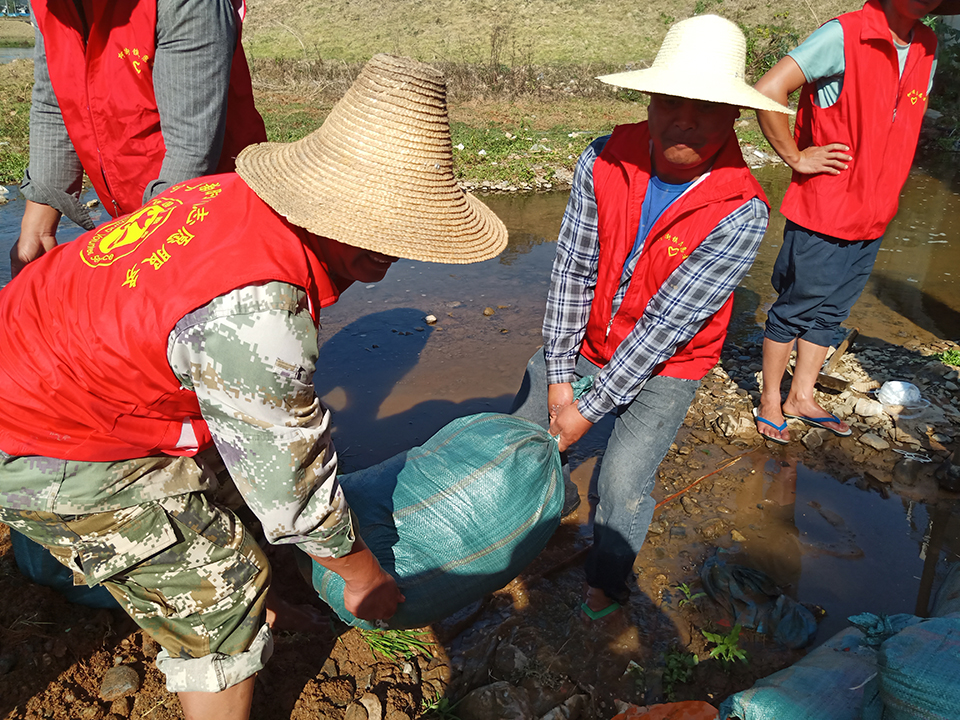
column 694, row 292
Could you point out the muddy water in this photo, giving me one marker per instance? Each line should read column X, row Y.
column 11, row 54
column 393, row 380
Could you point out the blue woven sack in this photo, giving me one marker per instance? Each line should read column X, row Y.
column 918, row 672
column 456, row 518
column 37, row 564
column 826, row 684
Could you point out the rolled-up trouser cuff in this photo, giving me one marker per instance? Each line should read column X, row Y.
column 216, row 672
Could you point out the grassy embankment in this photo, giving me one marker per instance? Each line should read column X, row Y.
column 522, row 95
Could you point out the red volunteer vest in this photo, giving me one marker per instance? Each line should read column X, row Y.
column 104, row 87
column 84, row 329
column 878, row 116
column 620, row 176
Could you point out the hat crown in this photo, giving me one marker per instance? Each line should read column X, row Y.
column 378, row 174
column 701, row 58
column 704, row 45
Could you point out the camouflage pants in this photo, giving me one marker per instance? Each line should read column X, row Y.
column 186, row 570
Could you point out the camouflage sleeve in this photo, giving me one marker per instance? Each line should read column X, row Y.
column 250, row 356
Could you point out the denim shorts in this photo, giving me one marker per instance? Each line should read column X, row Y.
column 818, row 279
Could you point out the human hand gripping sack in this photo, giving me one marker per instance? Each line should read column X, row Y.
column 569, row 425
column 369, row 592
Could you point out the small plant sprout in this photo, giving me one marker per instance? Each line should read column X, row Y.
column 727, row 647
column 950, row 357
column 397, row 644
column 440, row 708
column 689, row 595
column 677, row 669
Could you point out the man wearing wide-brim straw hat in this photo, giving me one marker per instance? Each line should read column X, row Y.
column 663, row 221
column 179, row 360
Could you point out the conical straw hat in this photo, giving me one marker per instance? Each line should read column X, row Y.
column 701, row 58
column 378, row 174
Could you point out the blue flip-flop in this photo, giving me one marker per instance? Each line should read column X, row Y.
column 819, row 422
column 778, row 428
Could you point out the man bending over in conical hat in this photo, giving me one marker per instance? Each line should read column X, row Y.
column 184, row 341
column 663, row 221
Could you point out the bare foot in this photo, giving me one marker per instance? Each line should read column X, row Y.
column 286, row 617
column 600, row 606
column 771, row 423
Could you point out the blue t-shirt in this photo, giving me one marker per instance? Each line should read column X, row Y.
column 660, row 195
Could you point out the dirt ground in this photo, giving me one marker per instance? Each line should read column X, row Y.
column 528, row 637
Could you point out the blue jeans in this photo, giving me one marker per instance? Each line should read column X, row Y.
column 641, row 436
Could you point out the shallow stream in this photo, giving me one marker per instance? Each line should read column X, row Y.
column 393, row 380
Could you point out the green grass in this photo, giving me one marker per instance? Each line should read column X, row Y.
column 397, row 644
column 16, row 81
column 511, row 32
column 950, row 357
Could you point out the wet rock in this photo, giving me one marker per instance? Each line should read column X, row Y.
column 737, row 536
column 907, row 471
column 866, row 408
column 509, row 660
column 356, row 711
column 948, row 476
column 411, row 671
column 371, row 703
column 873, row 441
column 119, row 681
column 498, row 700
column 814, row 438
column 711, row 529
column 678, row 531
column 733, row 423
column 876, row 476
column 573, row 708
column 488, row 311
column 690, row 505
column 902, row 436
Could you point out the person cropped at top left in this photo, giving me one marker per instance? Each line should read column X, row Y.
column 135, row 94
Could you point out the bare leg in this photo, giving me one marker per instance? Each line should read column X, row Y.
column 776, row 355
column 230, row 704
column 800, row 400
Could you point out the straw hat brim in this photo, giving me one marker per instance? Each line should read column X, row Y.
column 657, row 81
column 457, row 230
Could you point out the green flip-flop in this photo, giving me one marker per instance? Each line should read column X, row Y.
column 597, row 614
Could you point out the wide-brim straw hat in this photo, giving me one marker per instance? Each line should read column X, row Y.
column 378, row 174
column 701, row 58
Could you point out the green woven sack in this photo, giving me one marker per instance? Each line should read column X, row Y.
column 456, row 518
